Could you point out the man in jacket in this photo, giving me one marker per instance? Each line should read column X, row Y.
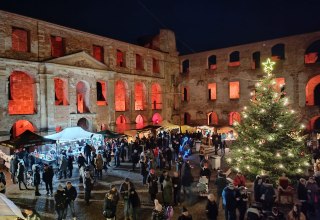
column 71, row 194
column 124, row 191
column 47, row 177
column 229, row 202
column 36, row 181
column 60, row 199
column 221, row 183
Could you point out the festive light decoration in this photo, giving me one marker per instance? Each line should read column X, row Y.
column 270, row 140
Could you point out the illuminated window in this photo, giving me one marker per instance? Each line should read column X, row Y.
column 20, row 40
column 21, row 94
column 234, row 90
column 156, row 96
column 234, row 59
column 155, row 66
column 101, row 93
column 280, row 83
column 21, row 126
column 212, row 118
column 185, row 67
column 256, row 60
column 278, row 52
column 57, row 46
column 139, row 96
column 212, row 62
column 185, row 94
column 313, row 91
column 212, row 91
column 156, row 118
column 121, row 96
column 61, row 92
column 83, row 97
column 139, row 122
column 98, row 53
column 312, row 53
column 121, row 124
column 234, row 116
column 139, row 62
column 120, row 58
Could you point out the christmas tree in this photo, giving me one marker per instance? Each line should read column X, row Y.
column 270, row 140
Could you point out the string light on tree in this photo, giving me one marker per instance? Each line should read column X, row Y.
column 270, row 132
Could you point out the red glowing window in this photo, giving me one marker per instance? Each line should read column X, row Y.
column 139, row 62
column 139, row 122
column 20, row 40
column 21, row 94
column 156, row 118
column 234, row 90
column 140, row 96
column 234, row 59
column 98, row 53
column 156, row 96
column 212, row 118
column 83, row 97
column 121, row 124
column 312, row 53
column 120, row 58
column 101, row 93
column 280, row 83
column 311, row 91
column 21, row 126
column 234, row 117
column 212, row 91
column 121, row 97
column 61, row 92
column 57, row 46
column 155, row 66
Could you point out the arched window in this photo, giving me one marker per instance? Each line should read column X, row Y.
column 21, row 126
column 312, row 53
column 83, row 97
column 234, row 116
column 185, row 67
column 156, row 96
column 101, row 93
column 212, row 62
column 156, row 118
column 98, row 53
column 21, row 94
column 139, row 62
column 278, row 52
column 212, row 118
column 140, row 96
column 121, row 96
column 234, row 59
column 256, row 60
column 83, row 123
column 212, row 91
column 61, row 91
column 187, row 118
column 314, row 123
column 312, row 93
column 139, row 122
column 121, row 123
column 121, row 59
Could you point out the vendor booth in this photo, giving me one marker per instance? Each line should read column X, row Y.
column 168, row 126
column 185, row 128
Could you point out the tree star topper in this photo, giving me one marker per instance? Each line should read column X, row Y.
column 268, row 66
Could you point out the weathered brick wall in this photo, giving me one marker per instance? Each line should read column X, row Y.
column 293, row 69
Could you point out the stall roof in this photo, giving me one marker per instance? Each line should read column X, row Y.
column 8, row 209
column 110, row 134
column 167, row 125
column 72, row 133
column 27, row 139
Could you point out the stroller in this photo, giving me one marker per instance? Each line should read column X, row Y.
column 203, row 186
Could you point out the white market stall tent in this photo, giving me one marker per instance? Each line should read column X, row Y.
column 8, row 209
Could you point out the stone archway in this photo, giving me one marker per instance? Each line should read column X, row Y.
column 311, row 89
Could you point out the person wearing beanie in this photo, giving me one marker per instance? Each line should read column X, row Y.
column 185, row 214
column 211, row 208
column 158, row 211
column 60, row 199
column 229, row 201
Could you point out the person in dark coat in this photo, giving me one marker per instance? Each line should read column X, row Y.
column 72, row 194
column 88, row 185
column 63, row 166
column 70, row 165
column 169, row 157
column 229, row 201
column 21, row 170
column 185, row 214
column 176, row 182
column 47, row 177
column 143, row 170
column 134, row 204
column 163, row 176
column 60, row 199
column 109, row 207
column 242, row 200
column 152, row 185
column 211, row 208
column 134, row 159
column 115, row 194
column 256, row 188
column 267, row 195
column 81, row 161
column 87, row 153
column 3, row 182
column 221, row 183
column 14, row 168
column 167, row 192
column 36, row 181
column 125, row 188
column 187, row 178
column 303, row 195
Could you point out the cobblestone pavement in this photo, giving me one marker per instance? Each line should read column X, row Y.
column 45, row 204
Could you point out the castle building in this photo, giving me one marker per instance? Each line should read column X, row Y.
column 53, row 77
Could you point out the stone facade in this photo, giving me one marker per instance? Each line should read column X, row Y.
column 78, row 64
column 292, row 68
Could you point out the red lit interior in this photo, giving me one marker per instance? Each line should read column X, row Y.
column 21, row 126
column 212, row 88
column 121, row 124
column 279, row 83
column 61, row 92
column 156, row 118
column 156, row 96
column 57, row 46
column 21, row 94
column 139, row 96
column 139, row 122
column 213, row 118
column 120, row 96
column 82, row 97
column 311, row 58
column 120, row 58
column 98, row 53
column 233, row 64
column 234, row 116
column 234, row 90
column 311, row 85
column 20, row 40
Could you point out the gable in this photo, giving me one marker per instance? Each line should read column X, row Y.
column 80, row 59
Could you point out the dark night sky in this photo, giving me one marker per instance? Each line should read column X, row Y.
column 198, row 24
